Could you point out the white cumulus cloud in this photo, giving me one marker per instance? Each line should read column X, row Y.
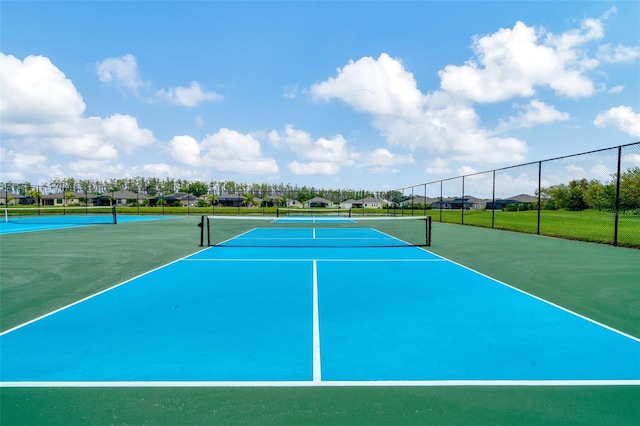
column 188, row 96
column 532, row 114
column 378, row 86
column 37, row 98
column 313, row 168
column 226, row 150
column 512, row 62
column 437, row 123
column 622, row 118
column 121, row 72
column 43, row 112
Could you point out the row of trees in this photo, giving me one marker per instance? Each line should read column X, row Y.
column 577, row 195
column 162, row 187
column 583, row 194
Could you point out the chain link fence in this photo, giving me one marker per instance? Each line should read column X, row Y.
column 592, row 196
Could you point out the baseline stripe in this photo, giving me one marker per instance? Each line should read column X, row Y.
column 371, row 383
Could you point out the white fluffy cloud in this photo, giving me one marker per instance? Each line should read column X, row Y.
column 622, row 118
column 437, row 123
column 296, row 140
column 225, row 151
column 123, row 72
column 515, row 61
column 313, row 168
column 188, row 96
column 377, row 86
column 42, row 110
column 330, row 155
column 37, row 98
column 532, row 114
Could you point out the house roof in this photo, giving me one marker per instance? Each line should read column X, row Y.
column 369, row 200
column 7, row 194
column 319, row 200
column 422, row 199
column 125, row 195
column 524, row 198
column 76, row 194
column 230, row 197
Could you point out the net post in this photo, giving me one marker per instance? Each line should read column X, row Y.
column 208, row 232
column 114, row 215
column 201, row 226
column 277, row 211
column 428, row 231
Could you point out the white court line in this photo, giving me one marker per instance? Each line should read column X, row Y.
column 314, row 383
column 310, row 259
column 317, row 363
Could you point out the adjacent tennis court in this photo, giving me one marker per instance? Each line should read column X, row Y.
column 18, row 220
column 315, row 305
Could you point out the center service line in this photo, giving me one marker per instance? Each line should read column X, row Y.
column 317, row 373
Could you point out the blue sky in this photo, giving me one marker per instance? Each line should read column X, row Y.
column 353, row 95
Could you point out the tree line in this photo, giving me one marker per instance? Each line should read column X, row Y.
column 585, row 194
column 579, row 194
column 156, row 187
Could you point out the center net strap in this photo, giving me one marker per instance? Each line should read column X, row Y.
column 336, row 232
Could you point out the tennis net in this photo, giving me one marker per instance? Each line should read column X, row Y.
column 315, row 231
column 311, row 212
column 60, row 215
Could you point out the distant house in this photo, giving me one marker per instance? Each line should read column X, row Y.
column 368, row 203
column 230, row 200
column 419, row 200
column 347, row 204
column 461, row 203
column 319, row 202
column 501, row 203
column 294, row 203
column 120, row 198
column 70, row 198
column 181, row 199
column 8, row 198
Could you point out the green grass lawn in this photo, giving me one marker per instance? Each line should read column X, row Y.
column 587, row 225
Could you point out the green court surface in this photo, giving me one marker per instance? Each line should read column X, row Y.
column 43, row 271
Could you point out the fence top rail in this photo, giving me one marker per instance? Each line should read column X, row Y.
column 521, row 165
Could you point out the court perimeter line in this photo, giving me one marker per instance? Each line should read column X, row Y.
column 329, row 383
column 308, row 259
column 317, row 363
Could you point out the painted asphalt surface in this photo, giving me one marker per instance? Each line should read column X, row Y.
column 313, row 316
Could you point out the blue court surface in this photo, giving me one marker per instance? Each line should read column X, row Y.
column 69, row 221
column 313, row 316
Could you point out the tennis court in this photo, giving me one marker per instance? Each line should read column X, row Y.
column 125, row 311
column 315, row 306
column 20, row 220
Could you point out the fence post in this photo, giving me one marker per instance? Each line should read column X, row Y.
column 493, row 202
column 462, row 204
column 441, row 201
column 539, row 194
column 617, row 209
